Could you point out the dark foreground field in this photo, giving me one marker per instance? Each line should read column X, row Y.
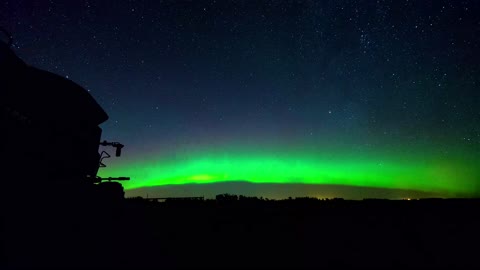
column 219, row 234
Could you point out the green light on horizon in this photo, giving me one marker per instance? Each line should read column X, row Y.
column 431, row 175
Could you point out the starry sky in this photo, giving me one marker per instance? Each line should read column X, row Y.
column 360, row 94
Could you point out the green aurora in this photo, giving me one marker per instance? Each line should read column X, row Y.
column 454, row 175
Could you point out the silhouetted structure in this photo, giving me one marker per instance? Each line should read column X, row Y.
column 226, row 197
column 49, row 141
column 50, row 131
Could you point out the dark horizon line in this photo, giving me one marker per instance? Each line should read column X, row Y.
column 200, row 198
column 349, row 190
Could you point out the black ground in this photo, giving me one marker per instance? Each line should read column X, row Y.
column 248, row 233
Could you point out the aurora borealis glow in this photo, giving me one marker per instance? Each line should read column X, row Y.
column 297, row 170
column 379, row 94
column 429, row 173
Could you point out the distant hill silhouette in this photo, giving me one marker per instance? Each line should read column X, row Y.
column 276, row 191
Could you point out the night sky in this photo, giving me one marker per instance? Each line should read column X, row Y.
column 361, row 94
